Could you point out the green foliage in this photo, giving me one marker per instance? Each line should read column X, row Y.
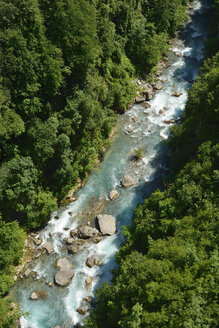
column 11, row 244
column 201, row 112
column 146, row 47
column 11, row 124
column 8, row 314
column 19, row 197
column 138, row 153
column 212, row 43
column 11, row 250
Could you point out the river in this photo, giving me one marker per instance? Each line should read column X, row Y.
column 149, row 132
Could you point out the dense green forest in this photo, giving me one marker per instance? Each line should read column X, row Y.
column 168, row 267
column 65, row 73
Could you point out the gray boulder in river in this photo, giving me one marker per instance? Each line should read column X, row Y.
column 107, row 224
column 48, row 247
column 38, row 295
column 113, row 194
column 65, row 274
column 139, row 99
column 85, row 232
column 93, row 260
column 158, row 86
column 128, row 181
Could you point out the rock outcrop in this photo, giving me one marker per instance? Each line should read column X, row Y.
column 38, row 295
column 27, row 273
column 72, row 249
column 145, row 105
column 113, row 194
column 171, row 121
column 88, row 282
column 85, row 232
column 73, row 232
column 48, row 247
column 158, row 86
column 38, row 241
column 69, row 241
column 65, row 274
column 148, row 93
column 128, row 181
column 82, row 310
column 139, row 99
column 106, row 224
column 176, row 94
column 93, row 260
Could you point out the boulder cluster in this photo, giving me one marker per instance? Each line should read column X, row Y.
column 105, row 225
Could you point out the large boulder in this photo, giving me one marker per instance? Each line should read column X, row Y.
column 38, row 241
column 38, row 295
column 82, row 310
column 146, row 105
column 69, row 241
column 88, row 282
column 64, row 277
column 172, row 121
column 27, row 273
column 139, row 99
column 128, row 181
column 74, row 233
column 48, row 247
column 65, row 274
column 113, row 194
column 93, row 260
column 107, row 224
column 148, row 94
column 73, row 249
column 63, row 263
column 176, row 94
column 158, row 86
column 85, row 232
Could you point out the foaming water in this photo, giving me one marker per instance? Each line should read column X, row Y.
column 149, row 130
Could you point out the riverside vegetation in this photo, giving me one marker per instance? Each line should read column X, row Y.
column 168, row 266
column 65, row 72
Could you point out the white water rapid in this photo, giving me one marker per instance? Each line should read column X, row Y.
column 149, row 132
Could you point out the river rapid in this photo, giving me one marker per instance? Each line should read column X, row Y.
column 149, row 132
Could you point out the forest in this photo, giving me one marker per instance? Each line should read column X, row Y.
column 65, row 75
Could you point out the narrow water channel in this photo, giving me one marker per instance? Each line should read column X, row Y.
column 149, row 131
